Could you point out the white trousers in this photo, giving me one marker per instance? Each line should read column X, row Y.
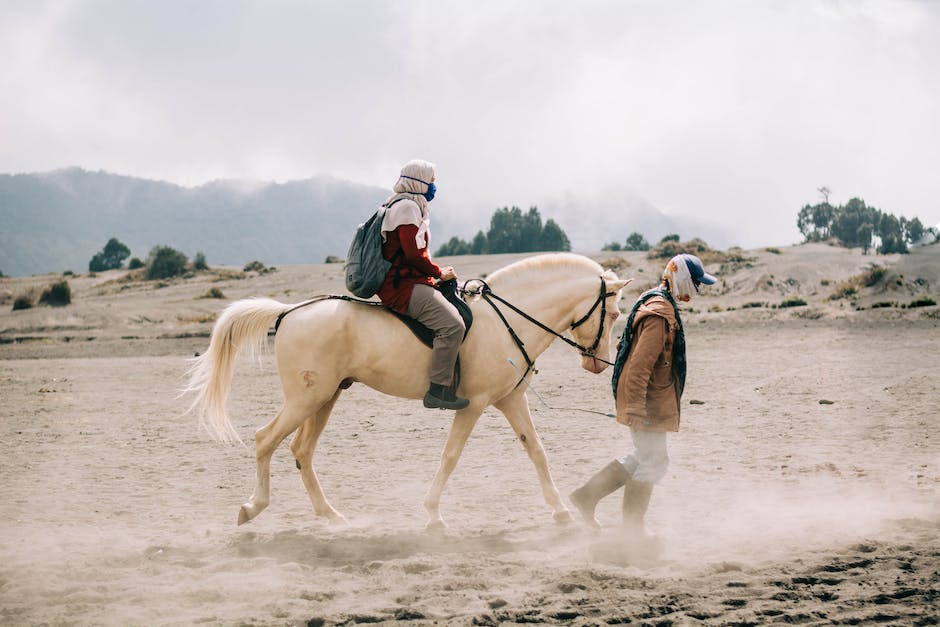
column 649, row 460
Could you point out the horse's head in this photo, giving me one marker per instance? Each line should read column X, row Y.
column 593, row 320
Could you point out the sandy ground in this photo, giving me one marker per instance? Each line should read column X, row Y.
column 118, row 509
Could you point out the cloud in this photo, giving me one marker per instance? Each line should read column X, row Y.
column 732, row 112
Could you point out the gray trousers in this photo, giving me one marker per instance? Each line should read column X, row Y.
column 650, row 459
column 429, row 307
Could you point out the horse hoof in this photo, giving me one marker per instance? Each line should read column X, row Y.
column 436, row 527
column 243, row 516
column 563, row 517
column 337, row 520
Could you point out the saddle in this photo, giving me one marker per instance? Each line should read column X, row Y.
column 449, row 290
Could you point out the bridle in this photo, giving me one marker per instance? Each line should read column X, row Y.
column 586, row 351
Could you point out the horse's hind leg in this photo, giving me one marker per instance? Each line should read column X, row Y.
column 267, row 439
column 516, row 409
column 463, row 424
column 302, row 447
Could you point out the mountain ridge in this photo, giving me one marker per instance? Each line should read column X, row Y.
column 57, row 220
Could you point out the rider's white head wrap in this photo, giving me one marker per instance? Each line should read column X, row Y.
column 415, row 177
column 411, row 185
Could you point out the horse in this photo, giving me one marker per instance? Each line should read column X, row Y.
column 321, row 347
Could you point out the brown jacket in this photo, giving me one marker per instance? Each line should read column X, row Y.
column 647, row 391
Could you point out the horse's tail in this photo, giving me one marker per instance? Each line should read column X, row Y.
column 242, row 325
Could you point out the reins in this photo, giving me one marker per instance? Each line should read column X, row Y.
column 489, row 296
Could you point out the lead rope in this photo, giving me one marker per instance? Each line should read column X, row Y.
column 544, row 402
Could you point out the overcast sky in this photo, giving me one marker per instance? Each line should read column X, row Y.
column 733, row 112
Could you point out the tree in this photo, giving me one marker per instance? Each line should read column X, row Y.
column 530, row 232
column 511, row 231
column 454, row 246
column 505, row 226
column 611, row 246
column 914, row 230
column 553, row 238
column 864, row 233
column 636, row 241
column 479, row 245
column 892, row 237
column 848, row 218
column 110, row 258
column 672, row 237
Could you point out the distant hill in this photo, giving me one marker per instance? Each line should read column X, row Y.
column 56, row 221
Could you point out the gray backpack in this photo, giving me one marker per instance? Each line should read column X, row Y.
column 366, row 268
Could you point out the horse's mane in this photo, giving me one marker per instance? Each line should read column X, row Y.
column 540, row 262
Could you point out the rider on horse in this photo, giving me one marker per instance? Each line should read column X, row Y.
column 409, row 285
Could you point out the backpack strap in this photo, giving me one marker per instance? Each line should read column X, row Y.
column 399, row 254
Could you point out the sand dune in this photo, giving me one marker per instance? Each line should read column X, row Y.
column 778, row 508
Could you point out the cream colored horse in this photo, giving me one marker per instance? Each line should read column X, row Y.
column 323, row 346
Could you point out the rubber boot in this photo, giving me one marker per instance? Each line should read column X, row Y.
column 638, row 542
column 438, row 396
column 586, row 498
column 636, row 500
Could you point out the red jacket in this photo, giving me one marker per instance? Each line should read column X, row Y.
column 412, row 266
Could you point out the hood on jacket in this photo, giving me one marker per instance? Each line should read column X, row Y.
column 656, row 306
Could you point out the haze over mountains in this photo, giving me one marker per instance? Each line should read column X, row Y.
column 56, row 221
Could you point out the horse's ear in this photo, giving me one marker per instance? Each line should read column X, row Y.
column 619, row 284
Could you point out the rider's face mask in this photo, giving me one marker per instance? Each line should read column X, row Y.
column 432, row 188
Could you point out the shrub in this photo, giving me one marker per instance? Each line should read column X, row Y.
column 199, row 262
column 793, row 302
column 773, row 250
column 872, row 276
column 135, row 263
column 333, row 259
column 68, row 273
column 254, row 266
column 924, row 301
column 56, row 295
column 213, row 292
column 165, row 262
column 844, row 290
column 752, row 305
column 883, row 304
column 666, row 249
column 23, row 301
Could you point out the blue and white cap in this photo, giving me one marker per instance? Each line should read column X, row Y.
column 697, row 270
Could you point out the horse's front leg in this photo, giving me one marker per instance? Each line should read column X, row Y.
column 516, row 409
column 302, row 447
column 464, row 421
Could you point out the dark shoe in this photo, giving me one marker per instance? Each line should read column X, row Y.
column 440, row 397
column 585, row 498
